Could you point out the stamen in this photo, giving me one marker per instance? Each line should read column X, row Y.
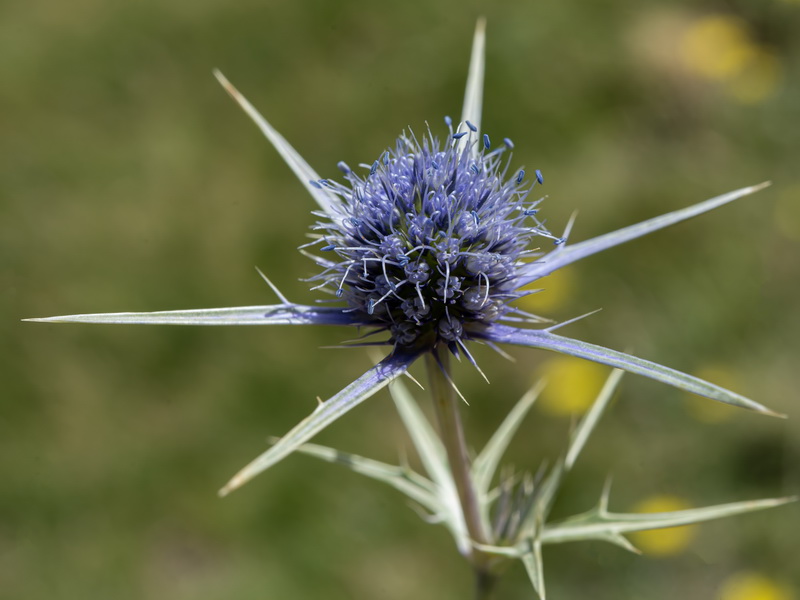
column 520, row 175
column 421, row 298
column 486, row 294
column 386, row 295
column 385, row 274
column 340, row 290
column 486, row 143
column 471, row 126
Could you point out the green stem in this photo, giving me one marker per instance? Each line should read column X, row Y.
column 484, row 584
column 445, row 404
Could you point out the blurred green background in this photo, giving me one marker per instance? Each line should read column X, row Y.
column 130, row 181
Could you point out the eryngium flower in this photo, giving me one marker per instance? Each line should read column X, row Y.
column 430, row 244
column 431, row 240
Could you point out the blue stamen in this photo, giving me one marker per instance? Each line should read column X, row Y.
column 343, row 167
column 486, row 143
column 458, row 136
column 373, row 168
column 448, row 121
column 539, row 177
column 520, row 175
column 509, row 144
column 471, row 126
column 315, row 184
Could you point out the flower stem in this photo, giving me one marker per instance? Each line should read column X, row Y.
column 445, row 404
column 484, row 584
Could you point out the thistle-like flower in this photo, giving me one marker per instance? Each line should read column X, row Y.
column 429, row 244
column 431, row 241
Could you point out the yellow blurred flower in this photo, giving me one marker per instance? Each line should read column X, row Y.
column 705, row 410
column 721, row 48
column 663, row 542
column 752, row 586
column 717, row 47
column 557, row 288
column 572, row 385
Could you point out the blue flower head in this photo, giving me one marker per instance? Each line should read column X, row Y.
column 430, row 244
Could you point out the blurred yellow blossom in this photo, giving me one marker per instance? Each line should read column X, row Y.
column 721, row 48
column 713, row 412
column 556, row 288
column 572, row 385
column 717, row 47
column 663, row 542
column 752, row 586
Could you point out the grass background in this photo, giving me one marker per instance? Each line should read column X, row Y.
column 130, row 181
